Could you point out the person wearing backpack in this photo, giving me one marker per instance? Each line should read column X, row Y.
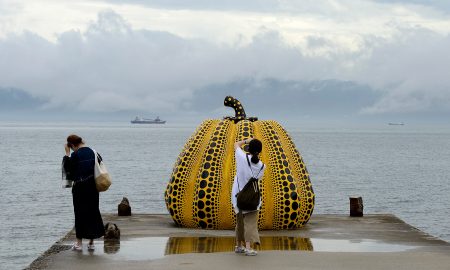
column 246, row 197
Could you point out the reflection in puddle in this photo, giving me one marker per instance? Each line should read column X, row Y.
column 180, row 245
column 111, row 246
column 137, row 249
column 149, row 248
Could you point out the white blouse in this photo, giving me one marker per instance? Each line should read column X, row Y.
column 243, row 174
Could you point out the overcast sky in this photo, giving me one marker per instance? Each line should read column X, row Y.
column 158, row 56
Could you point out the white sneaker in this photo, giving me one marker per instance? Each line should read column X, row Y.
column 76, row 247
column 239, row 249
column 250, row 252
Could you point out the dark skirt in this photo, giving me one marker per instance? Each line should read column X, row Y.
column 88, row 221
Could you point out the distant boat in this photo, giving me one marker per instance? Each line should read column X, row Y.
column 140, row 120
column 396, row 124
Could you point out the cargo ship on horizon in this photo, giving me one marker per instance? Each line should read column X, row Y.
column 140, row 120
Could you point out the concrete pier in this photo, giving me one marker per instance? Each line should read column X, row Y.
column 326, row 242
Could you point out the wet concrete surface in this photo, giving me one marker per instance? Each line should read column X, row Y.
column 150, row 248
column 152, row 241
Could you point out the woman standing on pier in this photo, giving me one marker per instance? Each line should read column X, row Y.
column 79, row 167
column 247, row 166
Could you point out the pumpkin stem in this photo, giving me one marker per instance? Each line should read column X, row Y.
column 238, row 110
column 236, row 105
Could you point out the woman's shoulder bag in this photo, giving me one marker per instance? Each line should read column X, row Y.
column 101, row 175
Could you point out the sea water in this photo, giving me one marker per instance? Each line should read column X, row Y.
column 400, row 170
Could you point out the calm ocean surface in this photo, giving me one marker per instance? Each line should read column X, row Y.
column 401, row 170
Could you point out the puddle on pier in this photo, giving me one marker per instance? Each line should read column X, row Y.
column 150, row 248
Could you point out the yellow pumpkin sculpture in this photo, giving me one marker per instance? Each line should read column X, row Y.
column 199, row 191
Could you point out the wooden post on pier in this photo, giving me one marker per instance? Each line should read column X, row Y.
column 356, row 207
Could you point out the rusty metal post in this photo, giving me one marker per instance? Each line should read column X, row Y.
column 356, row 207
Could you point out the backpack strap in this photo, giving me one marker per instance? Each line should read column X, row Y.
column 248, row 161
column 262, row 167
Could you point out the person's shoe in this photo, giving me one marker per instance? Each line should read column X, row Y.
column 76, row 247
column 239, row 249
column 91, row 247
column 250, row 252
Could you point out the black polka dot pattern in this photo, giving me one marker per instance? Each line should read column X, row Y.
column 282, row 181
column 175, row 195
column 301, row 176
column 209, row 184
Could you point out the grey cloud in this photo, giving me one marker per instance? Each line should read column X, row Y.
column 111, row 67
column 442, row 5
column 109, row 22
column 412, row 71
column 314, row 42
column 229, row 5
column 108, row 58
column 272, row 98
column 324, row 7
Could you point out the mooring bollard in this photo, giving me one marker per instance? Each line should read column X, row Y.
column 356, row 207
column 124, row 208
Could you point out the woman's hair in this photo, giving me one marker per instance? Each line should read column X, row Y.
column 255, row 147
column 74, row 140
